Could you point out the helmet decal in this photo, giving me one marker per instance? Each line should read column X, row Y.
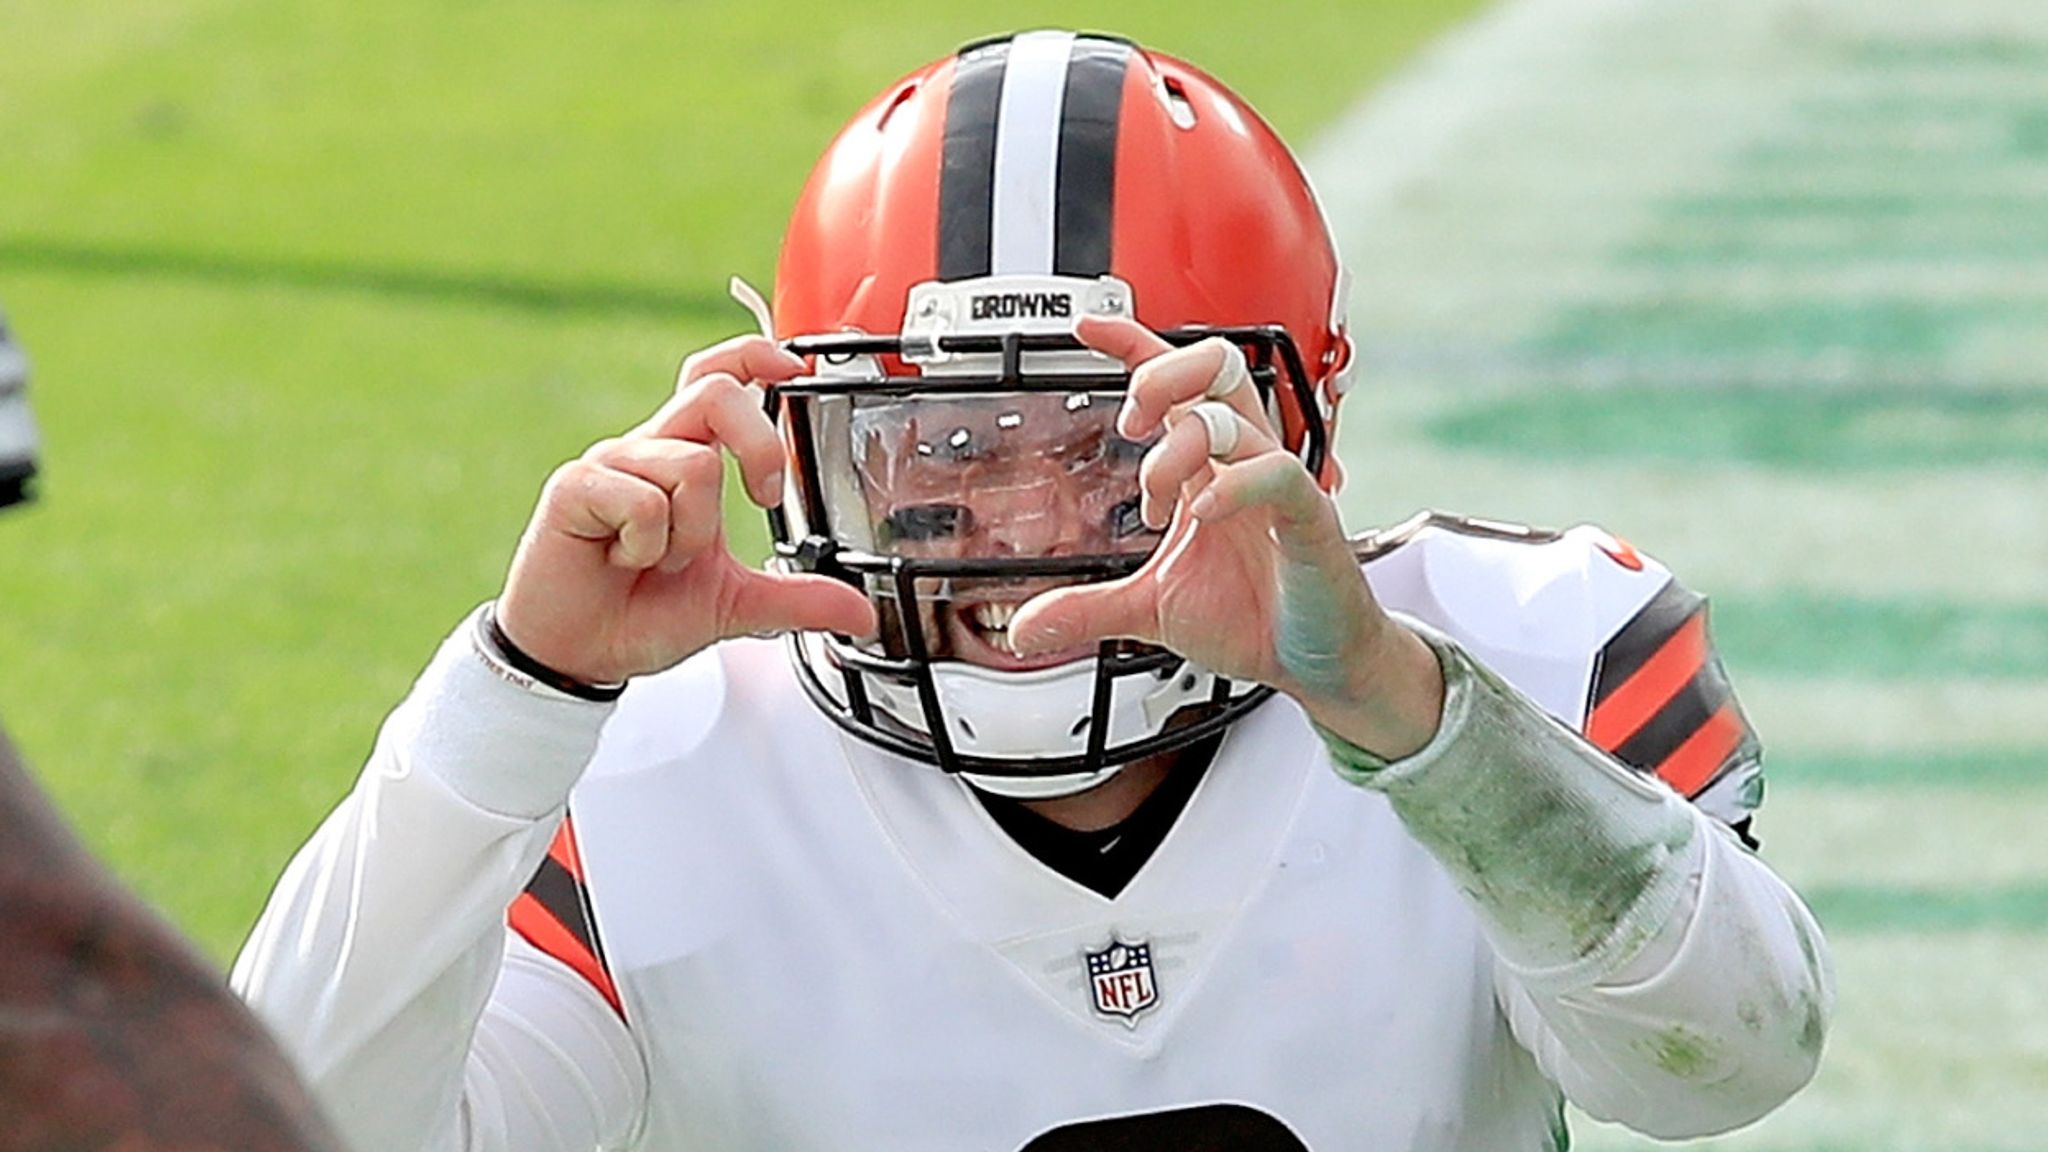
column 1028, row 167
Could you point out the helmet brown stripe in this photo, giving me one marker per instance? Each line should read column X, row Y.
column 1087, row 166
column 968, row 160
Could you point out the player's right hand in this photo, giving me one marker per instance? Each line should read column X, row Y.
column 624, row 568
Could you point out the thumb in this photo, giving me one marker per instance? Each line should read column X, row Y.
column 767, row 602
column 1070, row 617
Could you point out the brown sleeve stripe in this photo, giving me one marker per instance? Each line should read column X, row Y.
column 560, row 896
column 1679, row 717
column 1695, row 763
column 1662, row 701
column 553, row 915
column 563, row 850
column 1632, row 703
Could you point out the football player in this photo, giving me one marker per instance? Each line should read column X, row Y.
column 1097, row 794
column 113, row 1034
column 18, row 439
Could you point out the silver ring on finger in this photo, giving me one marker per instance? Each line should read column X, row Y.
column 1223, row 424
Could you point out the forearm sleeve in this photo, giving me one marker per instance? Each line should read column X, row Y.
column 1660, row 973
column 377, row 956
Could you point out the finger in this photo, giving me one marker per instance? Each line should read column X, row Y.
column 1210, row 431
column 733, row 415
column 625, row 514
column 691, row 477
column 1069, row 617
column 767, row 602
column 1121, row 337
column 696, row 511
column 1303, row 515
column 750, row 357
column 719, row 409
column 668, row 463
column 1211, row 370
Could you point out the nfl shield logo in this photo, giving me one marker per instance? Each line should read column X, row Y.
column 1120, row 980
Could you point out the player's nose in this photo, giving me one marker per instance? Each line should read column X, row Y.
column 1022, row 531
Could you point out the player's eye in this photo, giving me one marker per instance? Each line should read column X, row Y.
column 928, row 522
column 1125, row 520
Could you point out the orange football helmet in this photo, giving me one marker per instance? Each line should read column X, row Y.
column 931, row 274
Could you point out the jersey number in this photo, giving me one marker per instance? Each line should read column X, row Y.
column 1202, row 1128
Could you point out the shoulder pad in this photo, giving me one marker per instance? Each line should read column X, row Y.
column 1370, row 546
column 1535, row 605
column 1599, row 635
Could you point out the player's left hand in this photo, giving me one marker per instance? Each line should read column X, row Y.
column 1253, row 578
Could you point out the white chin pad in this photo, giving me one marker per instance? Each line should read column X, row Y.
column 1044, row 712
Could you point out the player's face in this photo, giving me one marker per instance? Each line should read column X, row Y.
column 1007, row 476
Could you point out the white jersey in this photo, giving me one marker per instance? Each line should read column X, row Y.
column 765, row 934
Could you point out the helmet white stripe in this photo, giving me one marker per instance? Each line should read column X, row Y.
column 1027, row 154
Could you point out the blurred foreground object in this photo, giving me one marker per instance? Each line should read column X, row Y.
column 113, row 1033
column 18, row 441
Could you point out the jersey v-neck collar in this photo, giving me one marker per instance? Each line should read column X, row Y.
column 1105, row 860
column 1182, row 906
column 1213, row 858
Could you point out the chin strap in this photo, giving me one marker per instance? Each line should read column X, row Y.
column 751, row 299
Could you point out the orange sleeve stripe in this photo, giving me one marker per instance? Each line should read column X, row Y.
column 531, row 919
column 1693, row 764
column 563, row 850
column 1631, row 706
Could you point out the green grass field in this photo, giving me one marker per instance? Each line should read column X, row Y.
column 317, row 296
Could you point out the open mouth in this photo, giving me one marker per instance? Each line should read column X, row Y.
column 980, row 634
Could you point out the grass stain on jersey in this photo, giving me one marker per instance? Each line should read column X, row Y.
column 1510, row 829
column 1818, row 427
column 1682, row 1052
column 1694, row 328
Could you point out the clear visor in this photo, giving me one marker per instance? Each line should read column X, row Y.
column 995, row 476
column 992, row 496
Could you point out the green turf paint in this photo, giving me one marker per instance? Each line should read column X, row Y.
column 1992, row 54
column 1872, row 227
column 1834, row 205
column 2006, row 769
column 1895, row 639
column 1874, row 178
column 1808, row 428
column 1707, row 330
column 2030, row 134
column 1987, row 240
column 1864, row 910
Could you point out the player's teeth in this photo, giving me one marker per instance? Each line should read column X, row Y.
column 994, row 617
